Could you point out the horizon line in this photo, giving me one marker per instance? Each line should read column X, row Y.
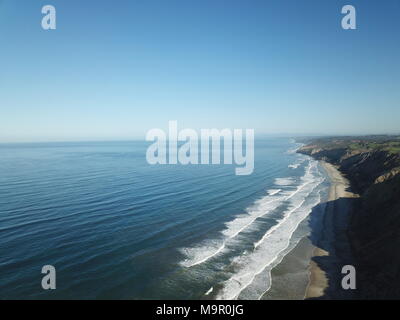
column 258, row 136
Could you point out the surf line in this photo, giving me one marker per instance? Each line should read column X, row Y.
column 287, row 215
column 208, row 257
column 232, row 236
column 236, row 295
column 222, row 247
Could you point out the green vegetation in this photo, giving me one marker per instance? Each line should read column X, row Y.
column 390, row 144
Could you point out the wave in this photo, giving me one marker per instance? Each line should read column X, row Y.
column 266, row 251
column 297, row 163
column 209, row 291
column 294, row 150
column 211, row 248
column 273, row 192
column 284, row 181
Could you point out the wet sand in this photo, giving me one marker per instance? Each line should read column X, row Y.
column 299, row 275
column 291, row 276
column 339, row 184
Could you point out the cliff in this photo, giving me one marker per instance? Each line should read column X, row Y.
column 372, row 166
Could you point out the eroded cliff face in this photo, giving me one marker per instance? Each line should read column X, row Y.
column 363, row 169
column 374, row 230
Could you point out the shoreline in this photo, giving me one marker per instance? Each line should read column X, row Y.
column 302, row 273
column 318, row 280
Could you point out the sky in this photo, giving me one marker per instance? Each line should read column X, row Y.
column 112, row 70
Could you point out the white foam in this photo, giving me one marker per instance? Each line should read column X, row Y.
column 274, row 191
column 297, row 163
column 294, row 149
column 209, row 291
column 286, row 216
column 251, row 266
column 209, row 249
column 198, row 255
column 284, row 181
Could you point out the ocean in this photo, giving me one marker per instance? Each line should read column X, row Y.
column 115, row 227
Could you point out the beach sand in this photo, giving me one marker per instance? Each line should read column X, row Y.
column 338, row 190
column 302, row 273
column 290, row 277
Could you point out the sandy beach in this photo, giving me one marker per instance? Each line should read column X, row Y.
column 313, row 266
column 318, row 282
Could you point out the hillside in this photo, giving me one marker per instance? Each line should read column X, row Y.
column 372, row 164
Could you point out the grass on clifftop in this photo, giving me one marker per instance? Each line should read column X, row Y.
column 390, row 144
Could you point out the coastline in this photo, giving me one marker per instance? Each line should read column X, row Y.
column 318, row 282
column 312, row 267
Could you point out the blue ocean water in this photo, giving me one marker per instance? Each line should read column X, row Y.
column 116, row 227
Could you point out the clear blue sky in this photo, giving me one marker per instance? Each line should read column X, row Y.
column 115, row 69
